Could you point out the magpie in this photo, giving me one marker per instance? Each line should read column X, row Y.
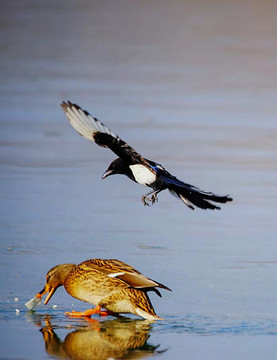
column 136, row 167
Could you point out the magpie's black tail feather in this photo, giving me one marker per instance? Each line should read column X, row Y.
column 192, row 195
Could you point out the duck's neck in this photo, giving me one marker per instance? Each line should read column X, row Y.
column 65, row 270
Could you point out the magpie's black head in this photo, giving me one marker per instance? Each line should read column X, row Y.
column 118, row 166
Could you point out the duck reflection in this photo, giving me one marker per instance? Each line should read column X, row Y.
column 119, row 339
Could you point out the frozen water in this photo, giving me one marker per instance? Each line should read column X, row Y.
column 189, row 84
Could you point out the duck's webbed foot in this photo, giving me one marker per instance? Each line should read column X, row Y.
column 106, row 313
column 86, row 313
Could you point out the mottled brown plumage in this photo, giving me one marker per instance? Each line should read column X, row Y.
column 109, row 284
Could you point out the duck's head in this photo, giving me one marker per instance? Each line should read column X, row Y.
column 55, row 278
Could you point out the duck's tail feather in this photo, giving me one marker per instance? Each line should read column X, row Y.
column 146, row 315
column 142, row 304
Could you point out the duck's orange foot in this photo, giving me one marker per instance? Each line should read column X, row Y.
column 86, row 313
column 106, row 313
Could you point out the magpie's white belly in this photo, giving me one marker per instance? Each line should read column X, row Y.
column 142, row 174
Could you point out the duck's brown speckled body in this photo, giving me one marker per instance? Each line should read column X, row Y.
column 110, row 284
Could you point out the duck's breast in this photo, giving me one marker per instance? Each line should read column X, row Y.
column 90, row 286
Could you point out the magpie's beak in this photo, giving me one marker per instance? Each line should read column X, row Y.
column 107, row 173
column 46, row 289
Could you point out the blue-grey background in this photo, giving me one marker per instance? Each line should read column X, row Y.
column 190, row 84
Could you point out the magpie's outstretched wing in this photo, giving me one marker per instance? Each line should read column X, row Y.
column 92, row 129
column 190, row 194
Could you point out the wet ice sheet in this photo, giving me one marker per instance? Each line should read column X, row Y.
column 190, row 85
column 63, row 337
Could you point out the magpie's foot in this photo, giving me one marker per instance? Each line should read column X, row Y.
column 146, row 200
column 154, row 198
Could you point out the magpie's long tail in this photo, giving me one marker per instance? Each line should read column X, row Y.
column 192, row 195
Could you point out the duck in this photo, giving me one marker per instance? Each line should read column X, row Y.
column 111, row 285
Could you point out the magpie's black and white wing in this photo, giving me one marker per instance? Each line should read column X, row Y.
column 92, row 129
column 190, row 194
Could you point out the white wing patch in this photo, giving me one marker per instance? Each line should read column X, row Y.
column 78, row 124
column 85, row 124
column 116, row 274
column 142, row 174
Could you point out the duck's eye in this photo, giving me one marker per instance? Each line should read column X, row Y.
column 48, row 276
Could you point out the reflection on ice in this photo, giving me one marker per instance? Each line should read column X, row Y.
column 93, row 339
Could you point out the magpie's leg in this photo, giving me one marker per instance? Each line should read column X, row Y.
column 146, row 200
column 154, row 197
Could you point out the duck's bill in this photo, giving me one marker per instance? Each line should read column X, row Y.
column 48, row 297
column 45, row 290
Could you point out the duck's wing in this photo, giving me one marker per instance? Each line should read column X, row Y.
column 118, row 269
column 92, row 129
